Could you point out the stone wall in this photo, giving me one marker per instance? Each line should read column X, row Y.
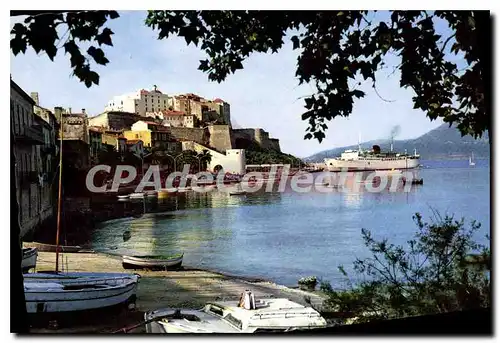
column 198, row 135
column 275, row 144
column 260, row 136
column 75, row 127
column 221, row 137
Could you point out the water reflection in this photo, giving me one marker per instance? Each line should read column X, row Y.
column 284, row 236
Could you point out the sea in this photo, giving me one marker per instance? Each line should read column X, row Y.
column 284, row 236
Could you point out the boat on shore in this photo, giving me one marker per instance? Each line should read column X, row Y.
column 70, row 292
column 152, row 262
column 29, row 258
column 60, row 292
column 43, row 247
column 244, row 316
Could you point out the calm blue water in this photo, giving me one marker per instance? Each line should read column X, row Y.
column 285, row 236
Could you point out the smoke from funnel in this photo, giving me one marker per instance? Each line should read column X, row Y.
column 394, row 132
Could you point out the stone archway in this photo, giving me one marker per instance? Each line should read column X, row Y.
column 217, row 168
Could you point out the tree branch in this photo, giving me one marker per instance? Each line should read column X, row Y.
column 376, row 91
column 38, row 13
column 446, row 42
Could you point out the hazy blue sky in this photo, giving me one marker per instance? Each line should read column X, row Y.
column 264, row 94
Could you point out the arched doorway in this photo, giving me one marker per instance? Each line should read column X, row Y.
column 217, row 168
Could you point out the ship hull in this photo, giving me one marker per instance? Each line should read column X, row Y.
column 333, row 164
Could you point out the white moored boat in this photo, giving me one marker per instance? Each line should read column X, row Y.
column 151, row 194
column 136, row 196
column 29, row 258
column 68, row 292
column 246, row 316
column 164, row 262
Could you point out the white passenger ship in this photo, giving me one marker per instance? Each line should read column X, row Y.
column 359, row 160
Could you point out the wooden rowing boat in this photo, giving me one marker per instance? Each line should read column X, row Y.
column 52, row 247
column 152, row 262
column 29, row 258
column 69, row 292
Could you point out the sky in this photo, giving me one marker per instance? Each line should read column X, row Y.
column 264, row 94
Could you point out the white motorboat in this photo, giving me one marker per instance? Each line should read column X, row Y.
column 29, row 258
column 151, row 194
column 68, row 292
column 245, row 316
column 136, row 196
column 183, row 189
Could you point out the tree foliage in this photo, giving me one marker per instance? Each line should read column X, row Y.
column 433, row 274
column 337, row 46
column 39, row 31
column 337, row 50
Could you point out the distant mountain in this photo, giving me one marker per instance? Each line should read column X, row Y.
column 443, row 142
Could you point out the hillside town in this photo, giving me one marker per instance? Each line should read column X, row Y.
column 147, row 126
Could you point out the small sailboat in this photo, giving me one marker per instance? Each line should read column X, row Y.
column 29, row 258
column 471, row 160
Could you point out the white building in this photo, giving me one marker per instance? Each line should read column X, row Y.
column 140, row 102
column 233, row 161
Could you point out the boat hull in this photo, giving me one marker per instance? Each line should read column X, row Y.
column 45, row 293
column 62, row 248
column 333, row 164
column 136, row 262
column 29, row 258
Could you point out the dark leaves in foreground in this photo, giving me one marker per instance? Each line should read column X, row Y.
column 338, row 49
column 39, row 31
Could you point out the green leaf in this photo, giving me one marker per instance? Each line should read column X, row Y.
column 295, row 41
